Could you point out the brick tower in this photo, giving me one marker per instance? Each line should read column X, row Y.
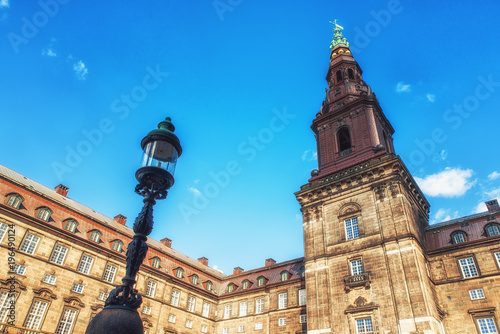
column 364, row 218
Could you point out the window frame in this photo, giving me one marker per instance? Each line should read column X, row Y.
column 478, row 325
column 191, row 303
column 353, row 229
column 6, row 300
column 179, row 273
column 245, row 284
column 356, row 266
column 146, row 309
column 282, row 300
column 104, row 294
column 29, row 322
column 150, row 290
column 65, row 329
column 175, row 297
column 284, row 275
column 78, row 288
column 209, row 285
column 241, row 328
column 205, row 310
column 231, row 287
column 12, row 203
column 109, row 275
column 156, row 262
column 3, row 230
column 228, row 311
column 243, row 309
column 70, row 225
column 474, row 263
column 172, row 318
column 18, row 269
column 44, row 213
column 364, row 319
column 458, row 237
column 477, row 294
column 302, row 297
column 117, row 245
column 259, row 305
column 195, row 279
column 87, row 266
column 303, row 318
column 490, row 225
column 58, row 256
column 261, row 281
column 92, row 236
column 259, row 326
column 282, row 321
column 48, row 281
column 28, row 249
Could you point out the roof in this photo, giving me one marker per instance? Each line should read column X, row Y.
column 42, row 190
column 462, row 219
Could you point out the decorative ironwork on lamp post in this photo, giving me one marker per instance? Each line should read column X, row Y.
column 161, row 148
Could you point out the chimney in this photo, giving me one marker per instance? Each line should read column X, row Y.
column 203, row 260
column 492, row 205
column 62, row 190
column 238, row 270
column 166, row 242
column 270, row 262
column 120, row 219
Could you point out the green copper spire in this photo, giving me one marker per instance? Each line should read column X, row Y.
column 338, row 38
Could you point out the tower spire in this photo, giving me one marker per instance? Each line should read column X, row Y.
column 338, row 38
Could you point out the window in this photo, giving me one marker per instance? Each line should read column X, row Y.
column 194, row 279
column 303, row 318
column 458, row 237
column 44, row 213
column 189, row 323
column 476, row 294
column 95, row 236
column 497, row 257
column 5, row 302
column 50, row 279
column 230, row 287
column 245, row 284
column 146, row 309
column 179, row 273
column 19, row 269
column 85, row 264
column 468, row 267
column 241, row 328
column 487, row 326
column 344, row 141
column 302, row 297
column 285, row 276
column 258, row 325
column 261, row 281
column 103, row 295
column 204, row 328
column 339, row 76
column 225, row 330
column 259, row 305
column 243, row 309
column 282, row 300
column 67, row 321
column 151, row 289
column 171, row 318
column 174, row 299
column 77, row 288
column 208, row 286
column 227, row 311
column 350, row 73
column 356, row 267
column 58, row 254
column 36, row 314
column 117, row 245
column 3, row 230
column 351, row 228
column 282, row 322
column 364, row 326
column 206, row 309
column 70, row 225
column 191, row 303
column 29, row 244
column 492, row 229
column 14, row 200
column 109, row 273
column 155, row 262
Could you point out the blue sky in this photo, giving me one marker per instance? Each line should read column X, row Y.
column 83, row 81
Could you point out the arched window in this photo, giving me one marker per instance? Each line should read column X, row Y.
column 492, row 229
column 339, row 76
column 458, row 237
column 230, row 287
column 44, row 213
column 285, row 275
column 208, row 286
column 70, row 225
column 245, row 284
column 194, row 279
column 350, row 73
column 179, row 273
column 344, row 140
column 95, row 236
column 14, row 200
column 155, row 262
column 261, row 281
column 117, row 245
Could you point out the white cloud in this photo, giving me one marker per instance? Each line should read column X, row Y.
column 4, row 3
column 217, row 268
column 401, row 87
column 81, row 70
column 452, row 182
column 195, row 191
column 431, row 97
column 304, row 155
column 309, row 157
column 49, row 52
column 493, row 176
column 443, row 215
column 196, row 181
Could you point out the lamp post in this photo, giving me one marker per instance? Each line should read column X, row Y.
column 161, row 148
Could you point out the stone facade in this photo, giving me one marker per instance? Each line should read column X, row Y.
column 372, row 263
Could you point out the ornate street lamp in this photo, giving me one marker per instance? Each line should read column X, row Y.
column 161, row 148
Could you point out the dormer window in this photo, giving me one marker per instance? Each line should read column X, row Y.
column 70, row 225
column 245, row 284
column 285, row 276
column 261, row 281
column 344, row 141
column 208, row 286
column 14, row 200
column 492, row 229
column 230, row 287
column 117, row 245
column 458, row 237
column 44, row 213
column 155, row 262
column 179, row 273
column 194, row 279
column 95, row 236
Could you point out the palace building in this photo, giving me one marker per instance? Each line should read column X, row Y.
column 372, row 263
